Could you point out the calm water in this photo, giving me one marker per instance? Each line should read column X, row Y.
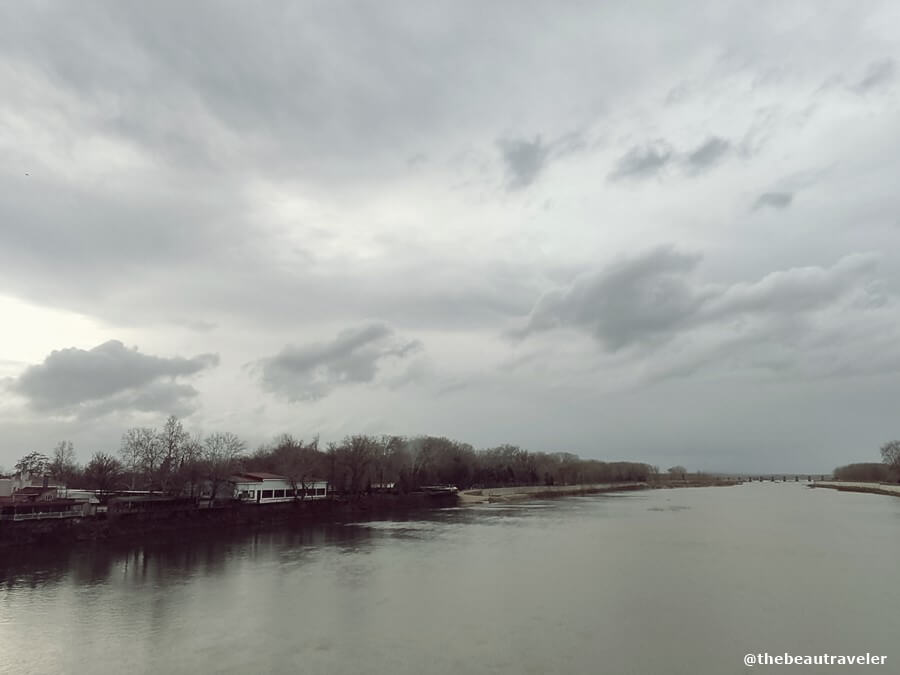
column 669, row 581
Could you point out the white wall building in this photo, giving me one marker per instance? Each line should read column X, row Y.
column 269, row 488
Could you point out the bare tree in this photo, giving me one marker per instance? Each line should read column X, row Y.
column 296, row 460
column 33, row 464
column 103, row 472
column 677, row 471
column 141, row 454
column 335, row 481
column 191, row 469
column 173, row 443
column 63, row 466
column 355, row 454
column 221, row 453
column 386, row 457
column 890, row 454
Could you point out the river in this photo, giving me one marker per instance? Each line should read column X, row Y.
column 662, row 581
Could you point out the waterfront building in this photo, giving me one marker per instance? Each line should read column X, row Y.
column 269, row 488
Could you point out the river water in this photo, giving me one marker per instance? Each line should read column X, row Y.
column 663, row 581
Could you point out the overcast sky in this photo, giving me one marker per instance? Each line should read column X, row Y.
column 665, row 232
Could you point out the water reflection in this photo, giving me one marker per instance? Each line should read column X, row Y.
column 668, row 581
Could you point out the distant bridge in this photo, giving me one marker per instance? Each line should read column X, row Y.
column 783, row 477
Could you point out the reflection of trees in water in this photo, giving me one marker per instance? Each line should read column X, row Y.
column 32, row 568
column 169, row 560
column 88, row 568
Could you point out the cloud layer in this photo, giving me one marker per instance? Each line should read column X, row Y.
column 312, row 371
column 107, row 378
column 365, row 204
column 669, row 323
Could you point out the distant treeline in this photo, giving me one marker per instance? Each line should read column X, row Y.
column 173, row 461
column 864, row 472
column 887, row 471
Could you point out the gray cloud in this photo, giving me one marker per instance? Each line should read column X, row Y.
column 524, row 160
column 792, row 292
column 648, row 160
column 708, row 153
column 106, row 378
column 650, row 298
column 642, row 161
column 631, row 300
column 312, row 371
column 166, row 398
column 775, row 200
column 878, row 74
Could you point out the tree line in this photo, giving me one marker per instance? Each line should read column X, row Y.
column 170, row 460
column 888, row 470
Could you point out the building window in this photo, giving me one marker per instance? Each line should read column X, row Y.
column 266, row 494
column 279, row 493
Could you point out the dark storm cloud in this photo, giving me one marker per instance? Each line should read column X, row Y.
column 707, row 154
column 108, row 377
column 642, row 161
column 649, row 298
column 775, row 200
column 314, row 370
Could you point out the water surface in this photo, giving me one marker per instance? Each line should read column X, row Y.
column 665, row 581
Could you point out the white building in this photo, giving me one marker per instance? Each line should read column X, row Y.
column 269, row 488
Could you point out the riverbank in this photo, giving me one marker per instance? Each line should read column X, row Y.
column 143, row 525
column 522, row 492
column 185, row 522
column 889, row 489
column 518, row 493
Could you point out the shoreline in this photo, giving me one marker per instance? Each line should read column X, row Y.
column 246, row 517
column 525, row 492
column 186, row 522
column 887, row 489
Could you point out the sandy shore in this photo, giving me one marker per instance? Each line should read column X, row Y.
column 507, row 494
column 891, row 489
